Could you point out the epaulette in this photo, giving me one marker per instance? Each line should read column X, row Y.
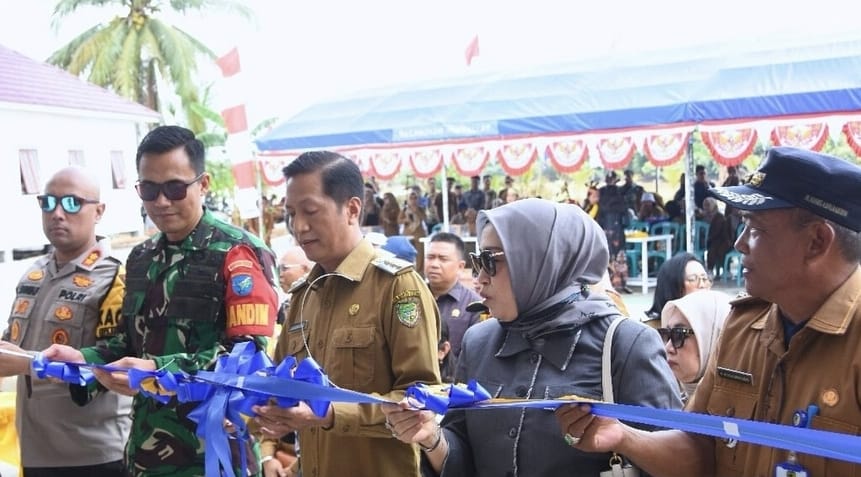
column 743, row 299
column 299, row 283
column 391, row 265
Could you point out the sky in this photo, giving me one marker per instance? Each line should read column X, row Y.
column 295, row 53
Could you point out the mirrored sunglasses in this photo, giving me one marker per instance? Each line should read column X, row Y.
column 172, row 190
column 71, row 204
column 486, row 260
column 676, row 336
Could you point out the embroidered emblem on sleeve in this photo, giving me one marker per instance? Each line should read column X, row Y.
column 242, row 284
column 408, row 311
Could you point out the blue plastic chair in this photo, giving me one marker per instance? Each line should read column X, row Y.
column 700, row 239
column 733, row 256
column 632, row 251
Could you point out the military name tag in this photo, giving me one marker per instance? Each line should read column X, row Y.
column 735, row 375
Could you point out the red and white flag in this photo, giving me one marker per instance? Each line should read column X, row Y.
column 238, row 144
column 471, row 50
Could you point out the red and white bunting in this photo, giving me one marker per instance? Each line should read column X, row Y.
column 567, row 154
column 615, row 152
column 852, row 131
column 810, row 136
column 729, row 147
column 470, row 160
column 665, row 148
column 517, row 157
column 272, row 168
column 426, row 162
column 386, row 164
column 238, row 145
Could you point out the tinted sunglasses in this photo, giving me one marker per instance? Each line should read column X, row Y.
column 699, row 279
column 71, row 204
column 172, row 190
column 676, row 336
column 486, row 260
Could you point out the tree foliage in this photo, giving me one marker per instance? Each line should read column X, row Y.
column 133, row 54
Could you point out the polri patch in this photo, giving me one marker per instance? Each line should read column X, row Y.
column 242, row 284
column 63, row 313
column 82, row 281
column 60, row 336
column 735, row 375
column 21, row 306
column 15, row 331
column 407, row 312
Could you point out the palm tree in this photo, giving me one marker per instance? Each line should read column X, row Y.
column 131, row 54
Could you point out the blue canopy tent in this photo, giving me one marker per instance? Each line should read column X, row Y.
column 683, row 87
column 704, row 86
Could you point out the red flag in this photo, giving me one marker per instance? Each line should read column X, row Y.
column 471, row 50
column 234, row 119
column 229, row 63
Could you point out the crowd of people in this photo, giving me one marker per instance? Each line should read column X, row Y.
column 541, row 319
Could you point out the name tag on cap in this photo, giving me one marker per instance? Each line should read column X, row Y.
column 735, row 375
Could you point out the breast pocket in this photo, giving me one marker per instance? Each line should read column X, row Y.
column 352, row 365
column 730, row 454
column 65, row 323
column 820, row 466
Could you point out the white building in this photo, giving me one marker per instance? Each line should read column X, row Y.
column 50, row 119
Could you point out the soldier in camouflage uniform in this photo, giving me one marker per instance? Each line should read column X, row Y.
column 192, row 290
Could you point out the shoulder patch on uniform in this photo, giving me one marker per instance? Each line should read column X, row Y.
column 743, row 299
column 408, row 311
column 301, row 282
column 391, row 265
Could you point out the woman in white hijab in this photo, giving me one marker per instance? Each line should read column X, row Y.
column 690, row 327
column 537, row 263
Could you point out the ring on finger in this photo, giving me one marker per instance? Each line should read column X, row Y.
column 571, row 440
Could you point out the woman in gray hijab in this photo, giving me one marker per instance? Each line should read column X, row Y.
column 545, row 340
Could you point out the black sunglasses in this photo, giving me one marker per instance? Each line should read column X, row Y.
column 676, row 336
column 172, row 190
column 485, row 260
column 71, row 204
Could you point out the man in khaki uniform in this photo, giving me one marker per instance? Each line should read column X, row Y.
column 369, row 321
column 789, row 353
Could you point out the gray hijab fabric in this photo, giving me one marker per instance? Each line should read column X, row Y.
column 550, row 248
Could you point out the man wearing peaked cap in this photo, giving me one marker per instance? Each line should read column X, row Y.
column 789, row 353
column 788, row 177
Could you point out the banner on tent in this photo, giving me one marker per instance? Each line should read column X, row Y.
column 728, row 144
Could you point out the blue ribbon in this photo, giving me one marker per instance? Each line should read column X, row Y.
column 422, row 396
column 246, row 378
column 74, row 373
column 223, row 402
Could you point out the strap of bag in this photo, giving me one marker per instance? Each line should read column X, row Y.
column 618, row 468
column 607, row 361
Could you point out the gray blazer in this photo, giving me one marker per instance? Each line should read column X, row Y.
column 528, row 442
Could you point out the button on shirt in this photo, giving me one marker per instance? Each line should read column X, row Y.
column 452, row 309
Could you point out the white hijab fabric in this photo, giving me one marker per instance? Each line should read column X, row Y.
column 706, row 311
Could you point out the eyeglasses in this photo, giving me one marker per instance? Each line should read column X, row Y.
column 486, row 260
column 172, row 190
column 71, row 204
column 676, row 336
column 698, row 279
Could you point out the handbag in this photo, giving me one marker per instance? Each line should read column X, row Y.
column 618, row 466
